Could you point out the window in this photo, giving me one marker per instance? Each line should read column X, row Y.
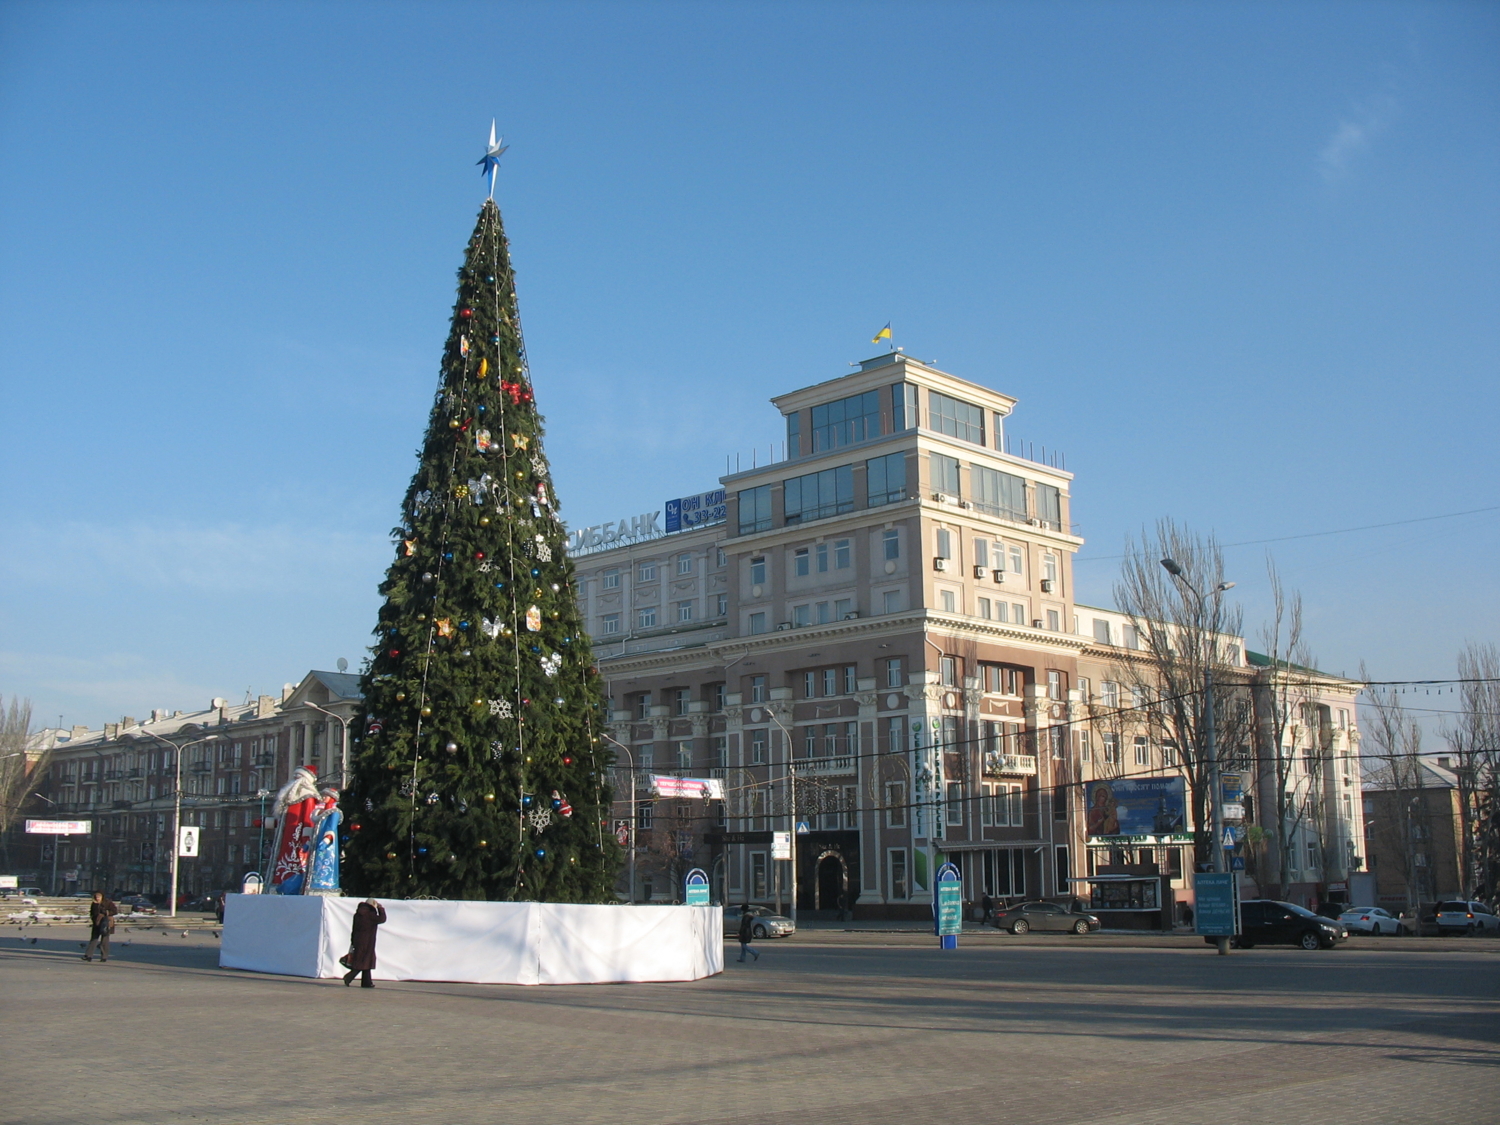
column 1057, row 739
column 716, row 700
column 1056, row 684
column 817, row 495
column 895, row 675
column 684, row 611
column 1049, row 505
column 1000, row 679
column 681, row 697
column 1016, row 800
column 1049, row 566
column 684, row 563
column 758, row 622
column 998, row 494
column 1112, row 749
column 954, row 418
column 981, row 552
column 822, row 554
column 895, row 734
column 611, row 623
column 801, row 615
column 890, row 540
column 896, row 865
column 1169, row 754
column 1131, row 636
column 1142, row 751
column 944, row 539
column 755, row 509
column 955, row 803
column 643, row 816
column 801, row 563
column 843, row 557
column 719, row 558
column 1064, row 872
column 1101, row 631
column 794, row 434
column 904, row 407
column 684, row 757
column 830, row 681
column 1312, row 855
column 1109, row 693
column 721, row 605
column 845, row 421
column 643, row 705
column 758, row 875
column 950, row 602
column 851, row 679
column 757, row 689
column 843, row 608
column 646, row 571
column 1002, row 611
column 986, row 806
column 945, row 474
column 885, row 479
column 891, row 601
column 982, row 607
column 1054, row 621
column 612, row 578
column 948, row 671
column 1085, row 747
column 1083, row 688
column 646, row 618
column 757, row 747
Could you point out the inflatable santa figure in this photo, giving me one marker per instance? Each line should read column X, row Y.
column 296, row 805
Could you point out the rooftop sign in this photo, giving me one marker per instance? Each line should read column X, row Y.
column 697, row 511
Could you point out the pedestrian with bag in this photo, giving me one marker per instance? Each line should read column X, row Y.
column 360, row 959
column 747, row 932
column 101, row 924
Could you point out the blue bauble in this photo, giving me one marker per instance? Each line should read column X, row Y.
column 541, row 853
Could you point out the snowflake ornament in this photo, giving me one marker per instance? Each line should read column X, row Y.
column 408, row 787
column 540, row 819
column 500, row 709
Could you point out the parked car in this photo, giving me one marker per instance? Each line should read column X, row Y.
column 767, row 922
column 1465, row 916
column 1265, row 921
column 1048, row 916
column 1370, row 920
column 139, row 904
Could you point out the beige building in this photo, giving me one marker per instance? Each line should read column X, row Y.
column 875, row 639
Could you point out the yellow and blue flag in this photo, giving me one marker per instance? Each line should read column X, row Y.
column 883, row 334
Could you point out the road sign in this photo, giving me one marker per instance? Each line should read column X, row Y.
column 1234, row 812
column 696, row 886
column 1232, row 785
column 60, row 827
column 781, row 845
column 1236, row 863
column 1217, row 910
column 948, row 911
column 187, row 841
column 802, row 828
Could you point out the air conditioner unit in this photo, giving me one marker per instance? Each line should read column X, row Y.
column 999, row 576
column 783, row 626
column 1037, row 624
column 942, row 498
column 939, row 564
column 965, row 504
column 1034, row 522
column 1047, row 585
column 851, row 616
column 981, row 572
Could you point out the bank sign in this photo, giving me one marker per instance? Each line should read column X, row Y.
column 1137, row 806
column 697, row 511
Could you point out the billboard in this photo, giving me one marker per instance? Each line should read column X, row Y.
column 1136, row 806
column 697, row 511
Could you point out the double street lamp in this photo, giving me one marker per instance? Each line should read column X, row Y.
column 343, row 742
column 177, row 804
column 1210, row 740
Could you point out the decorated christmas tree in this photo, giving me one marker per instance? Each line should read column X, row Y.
column 478, row 769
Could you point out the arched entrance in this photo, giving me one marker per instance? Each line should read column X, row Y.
column 833, row 880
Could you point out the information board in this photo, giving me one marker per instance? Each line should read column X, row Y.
column 696, row 887
column 1217, row 910
column 948, row 911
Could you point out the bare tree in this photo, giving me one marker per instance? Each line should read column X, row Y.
column 1286, row 694
column 1402, row 828
column 21, row 766
column 1182, row 635
column 1475, row 741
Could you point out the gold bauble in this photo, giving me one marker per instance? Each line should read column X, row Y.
column 484, row 521
column 401, row 697
column 426, row 712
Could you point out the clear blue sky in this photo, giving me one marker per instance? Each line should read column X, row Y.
column 1238, row 261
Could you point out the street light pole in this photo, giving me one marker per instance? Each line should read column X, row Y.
column 791, row 781
column 343, row 742
column 177, row 806
column 1210, row 727
column 631, row 758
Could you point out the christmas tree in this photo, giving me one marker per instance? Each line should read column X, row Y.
column 479, row 773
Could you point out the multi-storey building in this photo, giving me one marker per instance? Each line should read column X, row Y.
column 122, row 780
column 876, row 641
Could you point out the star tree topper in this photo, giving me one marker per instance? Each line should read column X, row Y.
column 489, row 163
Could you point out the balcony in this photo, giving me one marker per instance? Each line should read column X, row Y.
column 201, row 767
column 825, row 767
column 262, row 760
column 997, row 764
column 113, row 775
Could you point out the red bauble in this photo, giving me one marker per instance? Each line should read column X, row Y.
column 465, row 313
column 395, row 652
column 479, row 554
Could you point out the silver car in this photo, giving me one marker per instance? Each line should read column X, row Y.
column 767, row 923
column 1465, row 916
column 1370, row 920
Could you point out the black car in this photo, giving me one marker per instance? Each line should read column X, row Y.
column 1265, row 921
column 1030, row 916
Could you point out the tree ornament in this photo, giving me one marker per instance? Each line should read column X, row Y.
column 484, row 521
column 540, row 819
column 433, row 798
column 401, row 697
column 444, row 626
column 541, row 853
column 534, row 619
column 374, row 725
column 482, row 441
column 500, row 709
column 520, row 441
column 426, row 712
column 451, row 747
column 550, row 664
column 484, row 367
column 463, row 346
column 560, row 804
column 411, row 547
column 465, row 314
column 427, row 576
column 453, row 423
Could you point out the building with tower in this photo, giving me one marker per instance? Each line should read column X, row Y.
column 876, row 639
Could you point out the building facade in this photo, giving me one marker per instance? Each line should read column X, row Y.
column 877, row 643
column 123, row 780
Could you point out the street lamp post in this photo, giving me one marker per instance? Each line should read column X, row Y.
column 791, row 781
column 631, row 758
column 1210, row 740
column 343, row 742
column 177, row 806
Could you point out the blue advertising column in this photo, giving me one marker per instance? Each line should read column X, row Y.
column 696, row 888
column 948, row 906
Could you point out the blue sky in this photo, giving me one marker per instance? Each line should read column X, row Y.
column 1238, row 261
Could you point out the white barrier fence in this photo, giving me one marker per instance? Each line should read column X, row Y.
column 477, row 942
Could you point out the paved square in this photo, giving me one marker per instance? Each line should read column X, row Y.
column 827, row 1027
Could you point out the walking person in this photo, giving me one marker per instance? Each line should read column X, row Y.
column 361, row 957
column 747, row 932
column 101, row 924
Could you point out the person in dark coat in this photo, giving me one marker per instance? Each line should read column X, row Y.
column 367, row 916
column 101, row 924
column 747, row 932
